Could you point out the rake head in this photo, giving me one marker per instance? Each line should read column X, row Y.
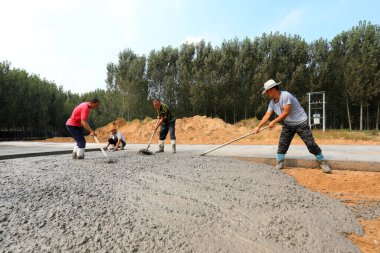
column 145, row 152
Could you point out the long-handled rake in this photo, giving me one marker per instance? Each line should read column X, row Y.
column 104, row 153
column 225, row 144
column 145, row 151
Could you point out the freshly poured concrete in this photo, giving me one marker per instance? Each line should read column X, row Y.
column 164, row 203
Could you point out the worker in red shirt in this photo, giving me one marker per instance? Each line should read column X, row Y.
column 76, row 121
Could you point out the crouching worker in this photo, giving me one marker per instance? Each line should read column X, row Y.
column 116, row 139
column 166, row 122
column 75, row 125
column 294, row 120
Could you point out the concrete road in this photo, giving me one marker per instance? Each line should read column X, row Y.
column 332, row 152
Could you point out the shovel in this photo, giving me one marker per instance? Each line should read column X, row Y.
column 104, row 153
column 145, row 151
column 225, row 144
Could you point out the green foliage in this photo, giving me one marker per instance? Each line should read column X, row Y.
column 225, row 81
column 221, row 81
column 31, row 104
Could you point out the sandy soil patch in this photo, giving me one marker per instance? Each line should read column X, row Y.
column 360, row 190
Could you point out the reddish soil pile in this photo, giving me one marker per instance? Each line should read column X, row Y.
column 204, row 130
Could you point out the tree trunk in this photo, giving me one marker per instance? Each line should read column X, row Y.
column 129, row 119
column 361, row 116
column 122, row 110
column 367, row 117
column 348, row 114
column 234, row 113
column 377, row 116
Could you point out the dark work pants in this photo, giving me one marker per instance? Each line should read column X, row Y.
column 165, row 128
column 304, row 131
column 77, row 134
column 114, row 141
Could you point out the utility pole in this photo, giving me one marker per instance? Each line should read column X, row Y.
column 309, row 110
column 315, row 109
column 324, row 112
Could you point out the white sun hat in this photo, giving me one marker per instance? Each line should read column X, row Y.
column 269, row 85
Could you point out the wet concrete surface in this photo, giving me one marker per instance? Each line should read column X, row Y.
column 164, row 203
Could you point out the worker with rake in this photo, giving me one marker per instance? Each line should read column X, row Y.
column 166, row 122
column 76, row 121
column 293, row 119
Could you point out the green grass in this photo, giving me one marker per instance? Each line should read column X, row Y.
column 355, row 135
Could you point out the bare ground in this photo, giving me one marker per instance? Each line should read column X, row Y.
column 360, row 190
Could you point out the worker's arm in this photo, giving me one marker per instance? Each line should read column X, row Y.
column 88, row 128
column 117, row 144
column 159, row 123
column 263, row 121
column 282, row 116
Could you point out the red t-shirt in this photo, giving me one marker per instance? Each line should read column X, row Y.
column 80, row 112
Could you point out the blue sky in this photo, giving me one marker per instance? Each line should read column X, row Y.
column 71, row 41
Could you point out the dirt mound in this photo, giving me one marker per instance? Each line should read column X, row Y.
column 192, row 130
column 205, row 130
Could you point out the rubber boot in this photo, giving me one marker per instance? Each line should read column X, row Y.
column 324, row 166
column 280, row 165
column 174, row 150
column 280, row 158
column 160, row 147
column 80, row 153
column 75, row 152
column 322, row 163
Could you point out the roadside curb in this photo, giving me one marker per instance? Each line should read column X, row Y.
column 46, row 153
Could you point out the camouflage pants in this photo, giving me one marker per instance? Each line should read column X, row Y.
column 304, row 131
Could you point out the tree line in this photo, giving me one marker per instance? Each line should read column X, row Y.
column 225, row 81
column 31, row 106
column 222, row 81
column 35, row 108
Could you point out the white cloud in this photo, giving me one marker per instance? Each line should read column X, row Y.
column 35, row 39
column 123, row 8
column 291, row 20
column 71, row 41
